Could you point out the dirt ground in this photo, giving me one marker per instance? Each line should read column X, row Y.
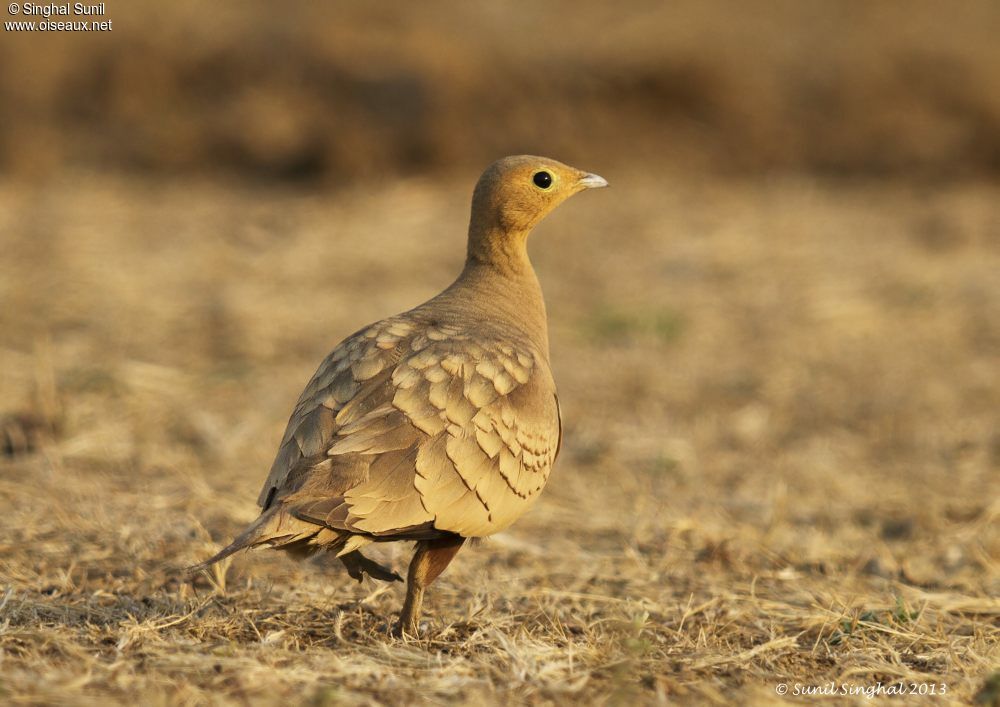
column 780, row 465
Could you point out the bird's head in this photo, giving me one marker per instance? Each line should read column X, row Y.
column 515, row 193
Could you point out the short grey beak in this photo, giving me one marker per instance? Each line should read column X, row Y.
column 593, row 181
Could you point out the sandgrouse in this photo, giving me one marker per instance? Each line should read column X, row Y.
column 435, row 425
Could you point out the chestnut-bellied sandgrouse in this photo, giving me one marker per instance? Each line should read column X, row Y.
column 435, row 425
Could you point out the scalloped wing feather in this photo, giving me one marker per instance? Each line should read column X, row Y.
column 408, row 425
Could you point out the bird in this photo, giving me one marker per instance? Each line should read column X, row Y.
column 436, row 425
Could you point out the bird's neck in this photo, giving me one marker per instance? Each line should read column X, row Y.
column 500, row 249
column 500, row 277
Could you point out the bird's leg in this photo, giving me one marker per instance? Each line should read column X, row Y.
column 358, row 565
column 430, row 559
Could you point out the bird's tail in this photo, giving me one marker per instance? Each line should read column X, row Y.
column 279, row 529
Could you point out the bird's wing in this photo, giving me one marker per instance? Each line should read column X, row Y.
column 352, row 374
column 414, row 428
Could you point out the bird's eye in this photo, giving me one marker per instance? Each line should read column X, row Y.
column 542, row 180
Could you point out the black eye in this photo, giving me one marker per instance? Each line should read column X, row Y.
column 542, row 180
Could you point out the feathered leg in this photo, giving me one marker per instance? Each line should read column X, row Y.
column 358, row 565
column 429, row 561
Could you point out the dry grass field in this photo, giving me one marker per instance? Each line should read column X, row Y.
column 781, row 456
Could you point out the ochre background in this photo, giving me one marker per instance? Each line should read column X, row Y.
column 776, row 338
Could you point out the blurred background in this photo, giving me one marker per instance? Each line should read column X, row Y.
column 776, row 336
column 342, row 91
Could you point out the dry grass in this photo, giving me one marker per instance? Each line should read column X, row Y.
column 781, row 453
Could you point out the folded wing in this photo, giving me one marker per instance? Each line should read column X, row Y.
column 409, row 429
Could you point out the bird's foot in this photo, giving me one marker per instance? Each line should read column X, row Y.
column 358, row 565
column 404, row 628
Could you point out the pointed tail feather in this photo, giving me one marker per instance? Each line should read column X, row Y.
column 221, row 555
column 274, row 527
column 248, row 538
